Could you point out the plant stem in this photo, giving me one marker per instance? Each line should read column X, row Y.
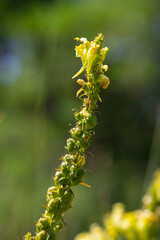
column 70, row 173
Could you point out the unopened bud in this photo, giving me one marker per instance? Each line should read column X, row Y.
column 104, row 81
column 105, row 67
column 81, row 82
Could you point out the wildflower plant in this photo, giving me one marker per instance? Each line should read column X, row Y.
column 141, row 224
column 70, row 173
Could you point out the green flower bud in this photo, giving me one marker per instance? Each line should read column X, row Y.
column 58, row 227
column 77, row 179
column 65, row 168
column 73, row 170
column 90, row 121
column 58, row 176
column 41, row 235
column 67, row 200
column 84, row 140
column 71, row 145
column 51, row 193
column 76, row 132
column 78, row 116
column 61, row 178
column 61, row 191
column 43, row 223
column 52, row 206
column 68, row 158
column 81, row 161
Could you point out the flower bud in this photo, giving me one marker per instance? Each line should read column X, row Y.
column 58, row 227
column 51, row 193
column 73, row 170
column 71, row 145
column 52, row 206
column 58, row 176
column 68, row 158
column 105, row 67
column 78, row 178
column 76, row 132
column 84, row 140
column 81, row 82
column 67, row 200
column 64, row 167
column 104, row 81
column 43, row 223
column 91, row 121
column 41, row 235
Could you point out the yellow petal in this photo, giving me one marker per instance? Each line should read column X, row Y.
column 81, row 82
column 79, row 72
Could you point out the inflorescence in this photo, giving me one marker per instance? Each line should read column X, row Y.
column 70, row 173
column 141, row 224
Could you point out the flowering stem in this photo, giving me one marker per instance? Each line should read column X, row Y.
column 70, row 173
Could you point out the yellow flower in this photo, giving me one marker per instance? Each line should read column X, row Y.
column 91, row 56
column 104, row 81
column 96, row 233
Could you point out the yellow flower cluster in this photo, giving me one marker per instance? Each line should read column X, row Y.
column 142, row 224
column 136, row 225
column 152, row 198
column 92, row 56
column 96, row 233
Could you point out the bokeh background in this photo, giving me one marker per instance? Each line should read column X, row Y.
column 37, row 95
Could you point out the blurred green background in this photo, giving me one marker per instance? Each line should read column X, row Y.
column 37, row 95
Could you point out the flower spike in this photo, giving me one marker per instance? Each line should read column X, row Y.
column 71, row 173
